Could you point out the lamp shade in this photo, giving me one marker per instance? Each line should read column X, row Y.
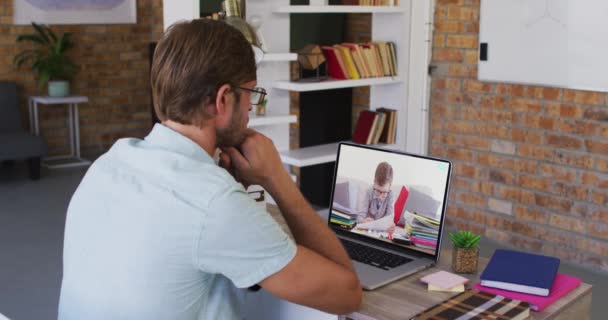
column 233, row 17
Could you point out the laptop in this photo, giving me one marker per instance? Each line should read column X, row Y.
column 391, row 228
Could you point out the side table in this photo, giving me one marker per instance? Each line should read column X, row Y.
column 73, row 159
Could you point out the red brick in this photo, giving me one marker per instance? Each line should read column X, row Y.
column 463, row 13
column 536, row 152
column 565, row 110
column 596, row 247
column 471, row 56
column 516, row 194
column 552, row 202
column 472, row 200
column 563, row 141
column 459, row 154
column 438, row 41
column 457, row 70
column 460, row 127
column 538, row 122
column 440, row 12
column 602, row 165
column 598, row 230
column 475, row 142
column 493, row 102
column 501, row 176
column 599, row 197
column 449, row 26
column 587, row 128
column 584, row 97
column 533, row 182
column 574, row 192
column 567, row 223
column 450, row 2
column 527, row 243
column 528, row 136
column 525, row 105
column 478, row 86
column 574, row 159
column 597, row 147
column 493, row 131
column 558, row 172
column 557, row 237
column 448, row 55
column 530, row 214
column 497, row 235
column 595, row 179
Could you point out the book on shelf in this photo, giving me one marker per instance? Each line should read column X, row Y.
column 473, row 304
column 364, row 126
column 375, row 127
column 521, row 272
column 335, row 67
column 562, row 285
column 365, row 60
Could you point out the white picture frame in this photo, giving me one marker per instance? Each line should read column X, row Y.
column 74, row 11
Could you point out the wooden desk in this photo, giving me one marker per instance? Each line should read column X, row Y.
column 407, row 297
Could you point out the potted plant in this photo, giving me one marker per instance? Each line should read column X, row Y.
column 48, row 58
column 466, row 251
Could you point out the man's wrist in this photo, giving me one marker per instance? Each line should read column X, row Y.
column 277, row 182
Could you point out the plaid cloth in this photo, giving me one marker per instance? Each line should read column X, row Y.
column 475, row 305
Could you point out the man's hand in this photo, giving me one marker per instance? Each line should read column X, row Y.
column 391, row 229
column 256, row 161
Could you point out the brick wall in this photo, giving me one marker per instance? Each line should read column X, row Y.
column 113, row 73
column 531, row 162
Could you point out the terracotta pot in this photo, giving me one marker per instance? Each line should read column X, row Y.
column 464, row 260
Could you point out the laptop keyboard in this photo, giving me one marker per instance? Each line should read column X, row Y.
column 372, row 256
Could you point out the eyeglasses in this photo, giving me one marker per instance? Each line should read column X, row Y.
column 380, row 192
column 257, row 95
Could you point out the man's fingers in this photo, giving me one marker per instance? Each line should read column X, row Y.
column 236, row 158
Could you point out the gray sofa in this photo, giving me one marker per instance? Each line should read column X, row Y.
column 15, row 142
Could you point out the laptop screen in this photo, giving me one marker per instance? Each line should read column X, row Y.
column 390, row 196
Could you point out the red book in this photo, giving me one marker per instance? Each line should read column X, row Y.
column 561, row 286
column 333, row 65
column 364, row 126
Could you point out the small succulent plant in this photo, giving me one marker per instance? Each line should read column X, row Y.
column 465, row 239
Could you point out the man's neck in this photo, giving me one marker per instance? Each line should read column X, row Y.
column 204, row 137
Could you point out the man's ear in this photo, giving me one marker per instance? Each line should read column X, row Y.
column 223, row 100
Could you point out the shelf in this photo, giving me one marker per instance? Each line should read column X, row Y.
column 333, row 84
column 339, row 9
column 279, row 57
column 269, row 119
column 324, row 153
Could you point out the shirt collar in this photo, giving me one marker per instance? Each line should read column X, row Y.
column 171, row 140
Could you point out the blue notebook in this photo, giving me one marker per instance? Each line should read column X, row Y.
column 520, row 272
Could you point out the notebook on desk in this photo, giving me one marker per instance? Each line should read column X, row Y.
column 405, row 234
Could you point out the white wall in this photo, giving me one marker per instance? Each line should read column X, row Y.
column 176, row 10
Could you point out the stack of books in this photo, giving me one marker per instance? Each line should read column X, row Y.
column 423, row 231
column 376, row 126
column 528, row 277
column 364, row 60
column 345, row 220
column 444, row 281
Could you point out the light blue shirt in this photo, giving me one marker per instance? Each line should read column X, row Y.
column 156, row 230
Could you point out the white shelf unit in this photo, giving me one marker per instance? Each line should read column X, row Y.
column 270, row 119
column 334, row 84
column 319, row 154
column 273, row 57
column 339, row 9
column 388, row 24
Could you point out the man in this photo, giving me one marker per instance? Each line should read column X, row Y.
column 378, row 202
column 156, row 230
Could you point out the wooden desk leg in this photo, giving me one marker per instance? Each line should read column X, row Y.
column 579, row 310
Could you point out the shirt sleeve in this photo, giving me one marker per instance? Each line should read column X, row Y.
column 241, row 241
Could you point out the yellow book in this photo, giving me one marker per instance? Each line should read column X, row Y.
column 459, row 288
column 348, row 59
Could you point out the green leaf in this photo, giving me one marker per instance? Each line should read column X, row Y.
column 41, row 29
column 31, row 37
